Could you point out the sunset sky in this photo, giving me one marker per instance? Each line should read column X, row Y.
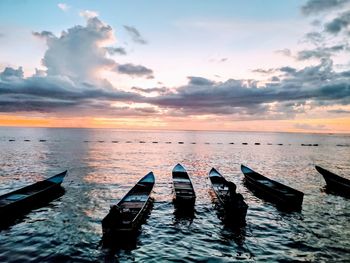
column 258, row 65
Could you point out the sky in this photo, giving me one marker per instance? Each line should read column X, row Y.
column 258, row 65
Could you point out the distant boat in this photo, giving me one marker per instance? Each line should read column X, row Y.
column 184, row 193
column 277, row 193
column 133, row 208
column 26, row 197
column 236, row 211
column 334, row 182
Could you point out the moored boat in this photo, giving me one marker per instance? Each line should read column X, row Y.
column 275, row 192
column 184, row 193
column 27, row 197
column 335, row 183
column 126, row 217
column 233, row 203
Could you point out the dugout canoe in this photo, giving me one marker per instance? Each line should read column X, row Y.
column 27, row 197
column 335, row 183
column 184, row 193
column 133, row 208
column 234, row 207
column 275, row 192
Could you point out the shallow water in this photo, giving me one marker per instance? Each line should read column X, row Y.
column 104, row 164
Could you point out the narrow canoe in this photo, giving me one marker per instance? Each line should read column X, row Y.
column 236, row 211
column 133, row 208
column 334, row 182
column 183, row 189
column 273, row 191
column 26, row 197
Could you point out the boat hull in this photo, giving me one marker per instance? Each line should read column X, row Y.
column 184, row 194
column 134, row 207
column 21, row 201
column 234, row 213
column 283, row 196
column 335, row 183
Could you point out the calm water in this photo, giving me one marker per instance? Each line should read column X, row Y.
column 101, row 172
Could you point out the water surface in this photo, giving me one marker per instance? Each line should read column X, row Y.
column 104, row 164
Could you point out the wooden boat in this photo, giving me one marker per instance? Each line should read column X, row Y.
column 183, row 189
column 23, row 199
column 127, row 215
column 334, row 182
column 234, row 206
column 280, row 194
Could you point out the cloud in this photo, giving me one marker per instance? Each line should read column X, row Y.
column 11, row 73
column 339, row 111
column 79, row 52
column 135, row 35
column 135, row 70
column 286, row 52
column 339, row 23
column 116, row 50
column 88, row 14
column 281, row 99
column 63, row 7
column 317, row 6
column 323, row 52
column 43, row 34
column 161, row 90
column 70, row 78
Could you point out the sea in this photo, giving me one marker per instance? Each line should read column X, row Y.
column 103, row 164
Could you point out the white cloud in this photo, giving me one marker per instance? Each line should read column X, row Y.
column 87, row 14
column 63, row 7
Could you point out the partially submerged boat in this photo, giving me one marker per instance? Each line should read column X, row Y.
column 24, row 199
column 126, row 216
column 275, row 192
column 233, row 203
column 184, row 193
column 335, row 183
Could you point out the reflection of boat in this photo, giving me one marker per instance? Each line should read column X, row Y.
column 335, row 183
column 25, row 198
column 234, row 206
column 127, row 215
column 183, row 189
column 275, row 192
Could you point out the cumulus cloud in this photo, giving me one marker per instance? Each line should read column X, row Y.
column 70, row 78
column 63, row 7
column 11, row 73
column 317, row 6
column 135, row 70
column 135, row 35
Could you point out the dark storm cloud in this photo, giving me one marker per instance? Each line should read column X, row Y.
column 339, row 23
column 135, row 35
column 135, row 70
column 317, row 6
